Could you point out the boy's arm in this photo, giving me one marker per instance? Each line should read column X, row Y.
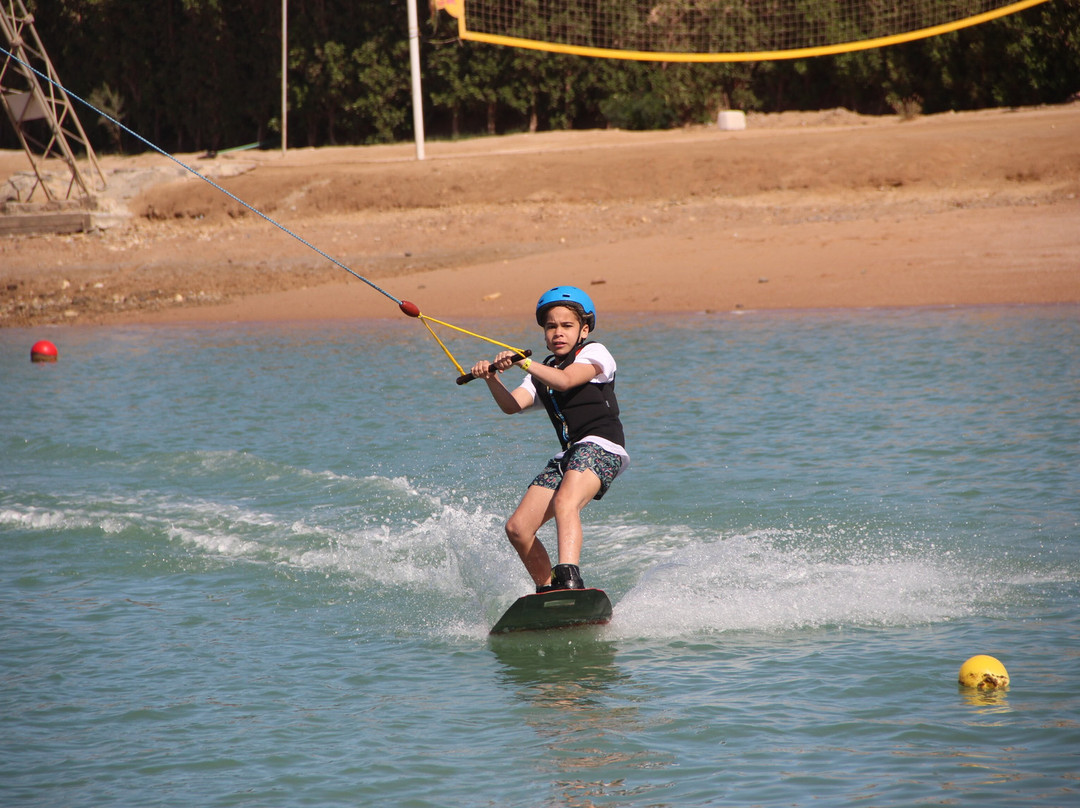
column 574, row 375
column 514, row 401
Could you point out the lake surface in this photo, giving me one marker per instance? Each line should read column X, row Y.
column 255, row 565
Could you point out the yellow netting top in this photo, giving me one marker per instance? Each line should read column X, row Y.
column 715, row 30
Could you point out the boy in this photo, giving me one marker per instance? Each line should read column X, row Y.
column 576, row 385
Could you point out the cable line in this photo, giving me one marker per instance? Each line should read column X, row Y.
column 407, row 307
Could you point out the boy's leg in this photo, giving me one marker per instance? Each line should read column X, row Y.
column 575, row 492
column 533, row 511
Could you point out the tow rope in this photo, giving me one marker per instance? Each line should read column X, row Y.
column 407, row 307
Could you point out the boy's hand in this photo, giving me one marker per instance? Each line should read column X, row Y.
column 480, row 370
column 502, row 361
column 488, row 370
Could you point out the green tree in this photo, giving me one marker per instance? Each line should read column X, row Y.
column 205, row 74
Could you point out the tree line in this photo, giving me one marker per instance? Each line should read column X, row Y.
column 193, row 75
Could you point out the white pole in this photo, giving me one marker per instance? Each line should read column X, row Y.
column 414, row 60
column 284, row 76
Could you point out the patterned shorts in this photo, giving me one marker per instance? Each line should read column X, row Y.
column 582, row 457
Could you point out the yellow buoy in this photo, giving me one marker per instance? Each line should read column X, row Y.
column 984, row 672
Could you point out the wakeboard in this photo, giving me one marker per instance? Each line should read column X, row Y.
column 561, row 608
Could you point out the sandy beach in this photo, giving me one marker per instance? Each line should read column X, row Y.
column 800, row 210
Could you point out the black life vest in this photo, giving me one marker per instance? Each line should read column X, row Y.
column 590, row 409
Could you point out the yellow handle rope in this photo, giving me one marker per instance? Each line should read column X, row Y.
column 472, row 334
column 412, row 310
column 424, row 318
column 441, row 344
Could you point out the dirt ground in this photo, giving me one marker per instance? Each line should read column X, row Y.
column 800, row 210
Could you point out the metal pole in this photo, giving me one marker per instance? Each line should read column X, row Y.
column 284, row 76
column 414, row 61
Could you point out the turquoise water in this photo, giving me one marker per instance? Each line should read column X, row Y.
column 255, row 565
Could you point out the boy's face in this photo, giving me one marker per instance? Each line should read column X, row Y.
column 563, row 330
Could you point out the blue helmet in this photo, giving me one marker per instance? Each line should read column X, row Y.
column 571, row 297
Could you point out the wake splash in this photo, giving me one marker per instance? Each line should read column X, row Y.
column 436, row 563
column 765, row 582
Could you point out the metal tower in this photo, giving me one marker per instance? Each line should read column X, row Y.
column 27, row 98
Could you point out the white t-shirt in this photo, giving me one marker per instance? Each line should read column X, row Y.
column 597, row 355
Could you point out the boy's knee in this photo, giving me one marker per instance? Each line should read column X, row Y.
column 514, row 532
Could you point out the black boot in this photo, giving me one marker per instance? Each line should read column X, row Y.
column 566, row 576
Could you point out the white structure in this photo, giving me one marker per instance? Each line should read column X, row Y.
column 731, row 120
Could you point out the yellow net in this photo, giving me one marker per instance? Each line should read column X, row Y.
column 715, row 30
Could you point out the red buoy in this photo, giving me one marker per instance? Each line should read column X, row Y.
column 43, row 351
column 409, row 308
